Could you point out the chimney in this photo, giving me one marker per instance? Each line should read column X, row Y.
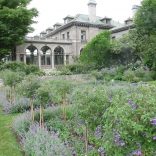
column 92, row 10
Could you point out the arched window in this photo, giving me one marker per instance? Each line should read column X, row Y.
column 31, row 55
column 45, row 55
column 58, row 56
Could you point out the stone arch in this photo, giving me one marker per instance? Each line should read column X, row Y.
column 31, row 55
column 58, row 56
column 45, row 53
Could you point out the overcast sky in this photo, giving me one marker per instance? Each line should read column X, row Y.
column 53, row 11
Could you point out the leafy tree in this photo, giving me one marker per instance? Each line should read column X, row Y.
column 125, row 50
column 15, row 21
column 98, row 51
column 145, row 32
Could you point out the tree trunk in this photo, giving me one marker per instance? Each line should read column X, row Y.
column 13, row 53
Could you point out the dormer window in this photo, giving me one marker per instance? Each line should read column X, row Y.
column 67, row 19
column 107, row 21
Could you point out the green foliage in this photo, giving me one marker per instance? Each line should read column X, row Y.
column 28, row 87
column 140, row 73
column 43, row 95
column 91, row 103
column 22, row 67
column 14, row 66
column 97, row 52
column 129, row 75
column 153, row 75
column 62, row 86
column 97, row 75
column 124, row 49
column 145, row 32
column 127, row 121
column 145, row 20
column 11, row 78
column 19, row 19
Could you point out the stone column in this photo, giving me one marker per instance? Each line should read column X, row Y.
column 39, row 60
column 64, row 59
column 25, row 57
column 18, row 57
column 52, row 61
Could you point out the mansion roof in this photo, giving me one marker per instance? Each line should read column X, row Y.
column 81, row 19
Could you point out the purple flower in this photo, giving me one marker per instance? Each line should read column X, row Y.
column 95, row 118
column 145, row 135
column 138, row 152
column 122, row 143
column 74, row 153
column 154, row 138
column 139, row 145
column 153, row 121
column 132, row 104
column 110, row 99
column 86, row 122
column 98, row 131
column 101, row 151
column 116, row 138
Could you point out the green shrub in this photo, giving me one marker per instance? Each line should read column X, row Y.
column 129, row 75
column 153, row 75
column 97, row 75
column 128, row 123
column 22, row 67
column 14, row 66
column 140, row 72
column 118, row 77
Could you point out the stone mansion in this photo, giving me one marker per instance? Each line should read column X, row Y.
column 58, row 44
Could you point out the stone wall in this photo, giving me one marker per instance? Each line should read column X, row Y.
column 69, row 77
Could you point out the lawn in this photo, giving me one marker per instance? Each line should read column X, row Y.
column 8, row 143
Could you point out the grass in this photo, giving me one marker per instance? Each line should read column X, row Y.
column 8, row 143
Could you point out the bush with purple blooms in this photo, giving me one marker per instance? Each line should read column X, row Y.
column 130, row 123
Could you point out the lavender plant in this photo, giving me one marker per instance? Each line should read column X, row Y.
column 42, row 142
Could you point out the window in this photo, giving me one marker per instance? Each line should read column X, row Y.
column 63, row 36
column 68, row 35
column 83, row 35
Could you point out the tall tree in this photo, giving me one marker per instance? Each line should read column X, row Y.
column 125, row 49
column 145, row 32
column 98, row 51
column 15, row 23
